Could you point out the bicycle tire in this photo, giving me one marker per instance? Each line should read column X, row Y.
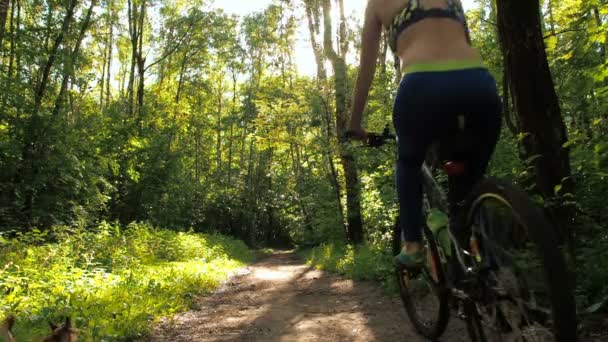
column 542, row 244
column 474, row 325
column 434, row 328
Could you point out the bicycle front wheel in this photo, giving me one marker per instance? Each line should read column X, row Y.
column 423, row 292
column 526, row 292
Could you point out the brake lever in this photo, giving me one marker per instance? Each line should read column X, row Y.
column 375, row 140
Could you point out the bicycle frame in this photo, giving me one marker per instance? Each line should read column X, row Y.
column 465, row 279
column 438, row 198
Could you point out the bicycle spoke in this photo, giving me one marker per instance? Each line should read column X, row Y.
column 422, row 292
column 423, row 296
column 518, row 306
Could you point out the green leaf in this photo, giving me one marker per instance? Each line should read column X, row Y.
column 568, row 143
column 557, row 189
column 522, row 136
column 598, row 148
column 596, row 307
column 577, row 139
column 538, row 199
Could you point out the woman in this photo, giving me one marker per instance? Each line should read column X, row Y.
column 444, row 81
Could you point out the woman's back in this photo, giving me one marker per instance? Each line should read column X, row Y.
column 432, row 39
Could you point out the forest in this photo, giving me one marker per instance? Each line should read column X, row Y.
column 147, row 134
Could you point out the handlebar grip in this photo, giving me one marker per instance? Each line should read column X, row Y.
column 373, row 139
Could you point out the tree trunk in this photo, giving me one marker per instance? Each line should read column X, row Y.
column 29, row 167
column 299, row 178
column 69, row 64
column 103, row 74
column 218, row 151
column 110, row 51
column 15, row 59
column 253, row 193
column 397, row 65
column 551, row 19
column 536, row 102
column 41, row 89
column 313, row 26
column 353, row 203
column 342, row 39
column 133, row 33
column 180, row 84
column 383, row 53
column 4, row 5
column 230, row 142
column 197, row 141
column 177, row 100
column 11, row 55
column 312, row 14
column 598, row 21
column 141, row 61
column 333, row 173
column 506, row 107
column 107, row 58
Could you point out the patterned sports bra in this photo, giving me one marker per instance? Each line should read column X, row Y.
column 414, row 13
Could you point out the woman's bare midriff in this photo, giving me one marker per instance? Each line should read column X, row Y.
column 434, row 40
column 429, row 40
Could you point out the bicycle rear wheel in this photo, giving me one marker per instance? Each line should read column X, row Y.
column 423, row 291
column 526, row 292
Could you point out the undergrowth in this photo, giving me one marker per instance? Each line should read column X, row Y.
column 112, row 282
column 363, row 262
column 374, row 263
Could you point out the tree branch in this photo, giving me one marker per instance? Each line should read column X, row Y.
column 562, row 32
column 172, row 50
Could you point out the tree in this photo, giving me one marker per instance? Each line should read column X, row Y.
column 542, row 128
column 313, row 16
column 337, row 59
column 4, row 5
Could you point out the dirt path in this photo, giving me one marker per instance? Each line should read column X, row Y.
column 282, row 299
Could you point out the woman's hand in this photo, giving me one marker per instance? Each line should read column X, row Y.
column 356, row 132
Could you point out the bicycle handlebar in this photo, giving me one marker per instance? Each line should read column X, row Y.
column 377, row 139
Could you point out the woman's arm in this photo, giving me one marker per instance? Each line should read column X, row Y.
column 370, row 42
column 467, row 32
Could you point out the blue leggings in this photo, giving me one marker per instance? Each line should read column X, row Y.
column 426, row 111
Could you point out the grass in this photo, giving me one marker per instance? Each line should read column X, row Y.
column 374, row 263
column 363, row 262
column 263, row 252
column 112, row 282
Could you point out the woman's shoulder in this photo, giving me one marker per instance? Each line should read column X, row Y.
column 385, row 10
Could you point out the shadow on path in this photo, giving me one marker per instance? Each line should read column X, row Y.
column 282, row 299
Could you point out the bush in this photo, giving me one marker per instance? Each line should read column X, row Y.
column 112, row 282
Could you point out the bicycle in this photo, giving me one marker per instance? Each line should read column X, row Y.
column 495, row 257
